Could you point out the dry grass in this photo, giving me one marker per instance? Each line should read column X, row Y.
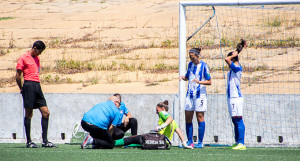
column 94, row 47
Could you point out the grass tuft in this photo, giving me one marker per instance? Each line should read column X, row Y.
column 6, row 18
column 275, row 22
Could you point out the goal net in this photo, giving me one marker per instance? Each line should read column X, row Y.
column 271, row 67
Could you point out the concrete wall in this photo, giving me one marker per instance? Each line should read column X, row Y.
column 68, row 109
column 268, row 116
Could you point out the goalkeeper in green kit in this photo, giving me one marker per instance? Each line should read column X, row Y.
column 167, row 126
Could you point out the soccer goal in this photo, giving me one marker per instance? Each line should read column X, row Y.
column 271, row 66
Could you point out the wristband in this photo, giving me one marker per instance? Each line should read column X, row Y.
column 164, row 125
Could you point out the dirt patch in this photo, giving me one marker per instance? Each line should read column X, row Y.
column 132, row 46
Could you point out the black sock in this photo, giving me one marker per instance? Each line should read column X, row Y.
column 133, row 125
column 45, row 129
column 27, row 124
column 137, row 139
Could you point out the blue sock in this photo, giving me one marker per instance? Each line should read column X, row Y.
column 241, row 129
column 236, row 134
column 189, row 132
column 201, row 130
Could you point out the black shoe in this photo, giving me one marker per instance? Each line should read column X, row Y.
column 49, row 145
column 31, row 145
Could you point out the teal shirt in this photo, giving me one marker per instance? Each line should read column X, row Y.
column 103, row 115
column 123, row 111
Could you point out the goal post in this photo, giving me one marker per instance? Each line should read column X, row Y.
column 271, row 66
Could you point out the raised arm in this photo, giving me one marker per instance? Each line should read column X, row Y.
column 228, row 58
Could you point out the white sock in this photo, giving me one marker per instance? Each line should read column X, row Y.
column 91, row 140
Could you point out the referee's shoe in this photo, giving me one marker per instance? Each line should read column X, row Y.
column 48, row 144
column 31, row 145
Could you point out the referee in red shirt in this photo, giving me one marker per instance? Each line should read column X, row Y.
column 33, row 97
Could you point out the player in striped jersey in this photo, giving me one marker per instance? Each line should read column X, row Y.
column 198, row 76
column 235, row 97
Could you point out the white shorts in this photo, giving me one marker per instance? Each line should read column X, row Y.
column 196, row 104
column 235, row 106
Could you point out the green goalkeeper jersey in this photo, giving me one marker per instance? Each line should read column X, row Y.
column 170, row 129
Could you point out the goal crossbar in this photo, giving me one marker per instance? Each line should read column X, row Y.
column 237, row 2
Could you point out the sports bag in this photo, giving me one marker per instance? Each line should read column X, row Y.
column 155, row 141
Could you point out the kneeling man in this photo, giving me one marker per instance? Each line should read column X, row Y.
column 100, row 122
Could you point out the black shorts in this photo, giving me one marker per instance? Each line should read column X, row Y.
column 33, row 96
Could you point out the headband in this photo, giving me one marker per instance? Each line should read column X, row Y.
column 194, row 51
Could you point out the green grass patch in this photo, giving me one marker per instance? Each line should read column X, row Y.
column 18, row 152
column 275, row 22
column 6, row 18
column 206, row 43
column 289, row 42
column 229, row 41
column 74, row 66
column 168, row 44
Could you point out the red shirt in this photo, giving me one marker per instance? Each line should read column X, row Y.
column 30, row 67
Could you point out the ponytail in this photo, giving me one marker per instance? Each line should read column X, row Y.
column 241, row 45
column 239, row 48
column 164, row 105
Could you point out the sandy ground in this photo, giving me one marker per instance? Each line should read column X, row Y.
column 131, row 23
column 128, row 39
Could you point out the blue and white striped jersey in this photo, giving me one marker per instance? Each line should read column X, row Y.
column 200, row 72
column 234, row 80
